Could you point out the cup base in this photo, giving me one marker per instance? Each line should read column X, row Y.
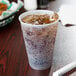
column 39, row 68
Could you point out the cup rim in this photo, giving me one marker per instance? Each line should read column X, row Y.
column 38, row 11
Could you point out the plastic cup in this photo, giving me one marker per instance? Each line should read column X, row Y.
column 39, row 41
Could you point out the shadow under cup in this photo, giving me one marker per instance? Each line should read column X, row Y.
column 39, row 41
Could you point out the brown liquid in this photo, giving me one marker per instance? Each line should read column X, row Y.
column 40, row 19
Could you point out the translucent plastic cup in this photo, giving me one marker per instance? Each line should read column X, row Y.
column 39, row 41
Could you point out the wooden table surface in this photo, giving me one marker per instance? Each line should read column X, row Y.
column 13, row 57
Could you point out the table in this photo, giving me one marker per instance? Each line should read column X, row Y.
column 13, row 57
